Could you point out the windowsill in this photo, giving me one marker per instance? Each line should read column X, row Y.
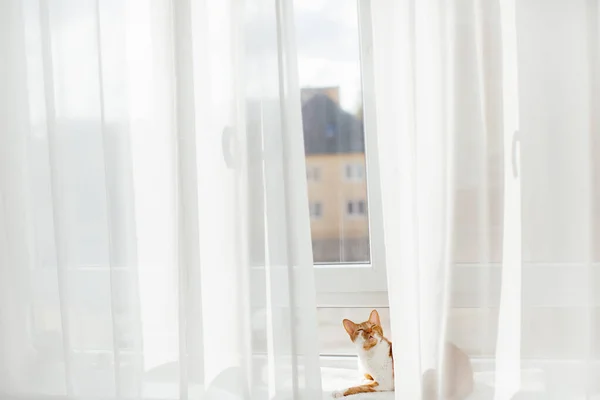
column 540, row 380
column 537, row 377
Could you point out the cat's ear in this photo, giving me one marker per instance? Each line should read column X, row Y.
column 349, row 326
column 374, row 318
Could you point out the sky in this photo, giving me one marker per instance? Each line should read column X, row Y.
column 328, row 47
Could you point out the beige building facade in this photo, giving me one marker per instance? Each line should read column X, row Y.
column 337, row 193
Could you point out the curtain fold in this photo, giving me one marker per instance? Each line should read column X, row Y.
column 154, row 221
column 413, row 84
column 15, row 343
column 487, row 131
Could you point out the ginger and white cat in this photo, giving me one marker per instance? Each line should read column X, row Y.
column 376, row 364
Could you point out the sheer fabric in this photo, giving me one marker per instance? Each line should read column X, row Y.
column 154, row 238
column 489, row 157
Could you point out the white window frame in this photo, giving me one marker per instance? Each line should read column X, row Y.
column 353, row 283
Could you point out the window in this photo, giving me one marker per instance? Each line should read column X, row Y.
column 335, row 68
column 313, row 173
column 333, row 39
column 478, row 198
column 356, row 208
column 354, row 172
column 316, row 210
column 362, row 207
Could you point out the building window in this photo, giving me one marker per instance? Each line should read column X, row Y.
column 316, row 210
column 354, row 172
column 362, row 209
column 313, row 173
column 356, row 208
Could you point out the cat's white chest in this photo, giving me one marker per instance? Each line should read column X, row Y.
column 378, row 363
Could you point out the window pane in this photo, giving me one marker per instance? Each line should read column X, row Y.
column 330, row 79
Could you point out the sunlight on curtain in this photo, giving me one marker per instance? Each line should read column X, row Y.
column 154, row 237
column 488, row 148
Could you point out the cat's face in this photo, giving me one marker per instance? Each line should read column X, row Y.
column 366, row 334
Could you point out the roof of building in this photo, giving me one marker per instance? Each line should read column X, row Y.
column 328, row 129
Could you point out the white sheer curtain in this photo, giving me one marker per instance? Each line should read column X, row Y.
column 488, row 143
column 154, row 237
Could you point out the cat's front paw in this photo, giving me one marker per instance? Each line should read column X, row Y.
column 336, row 394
